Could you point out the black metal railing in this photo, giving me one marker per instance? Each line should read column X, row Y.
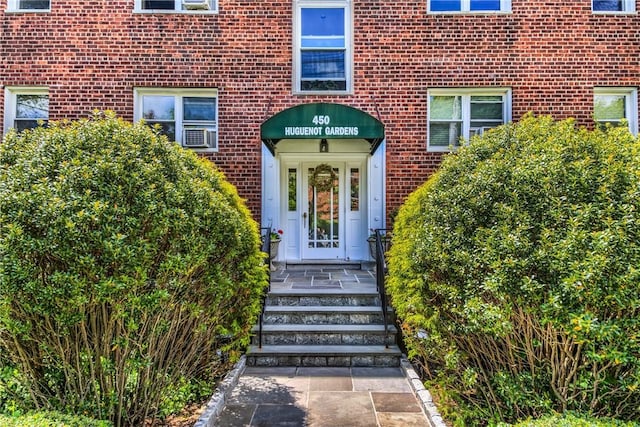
column 265, row 233
column 382, row 244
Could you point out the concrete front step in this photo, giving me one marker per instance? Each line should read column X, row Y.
column 323, row 315
column 324, row 355
column 287, row 334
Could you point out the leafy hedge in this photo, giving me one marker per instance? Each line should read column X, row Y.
column 573, row 420
column 515, row 271
column 51, row 419
column 126, row 265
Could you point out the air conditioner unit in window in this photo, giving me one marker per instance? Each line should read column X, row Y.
column 196, row 4
column 479, row 130
column 199, row 138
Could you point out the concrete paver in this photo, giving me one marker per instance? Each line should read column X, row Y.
column 391, row 419
column 330, row 409
column 374, row 379
column 395, row 402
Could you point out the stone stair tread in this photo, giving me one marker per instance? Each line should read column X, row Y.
column 323, row 263
column 348, row 321
column 291, row 327
column 325, row 350
column 322, row 309
column 323, row 292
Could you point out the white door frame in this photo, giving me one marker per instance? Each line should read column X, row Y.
column 295, row 247
column 275, row 203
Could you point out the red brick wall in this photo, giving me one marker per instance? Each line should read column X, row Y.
column 91, row 54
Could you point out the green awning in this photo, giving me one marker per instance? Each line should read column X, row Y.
column 322, row 121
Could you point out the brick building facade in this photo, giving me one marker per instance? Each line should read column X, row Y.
column 428, row 71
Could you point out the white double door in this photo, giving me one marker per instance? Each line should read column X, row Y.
column 325, row 206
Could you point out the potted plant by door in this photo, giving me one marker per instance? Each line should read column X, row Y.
column 276, row 238
column 386, row 243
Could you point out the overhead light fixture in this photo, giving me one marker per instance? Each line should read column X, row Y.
column 324, row 146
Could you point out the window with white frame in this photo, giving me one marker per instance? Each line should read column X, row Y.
column 616, row 106
column 608, row 6
column 322, row 46
column 26, row 108
column 456, row 114
column 28, row 5
column 189, row 116
column 449, row 6
column 176, row 5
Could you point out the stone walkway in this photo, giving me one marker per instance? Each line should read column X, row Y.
column 326, row 396
column 319, row 397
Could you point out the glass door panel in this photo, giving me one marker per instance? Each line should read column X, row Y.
column 324, row 204
column 323, row 217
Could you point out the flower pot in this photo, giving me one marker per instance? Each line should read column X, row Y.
column 273, row 253
column 386, row 244
column 274, row 248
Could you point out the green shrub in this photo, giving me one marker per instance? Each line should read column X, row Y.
column 176, row 396
column 572, row 420
column 14, row 396
column 515, row 271
column 51, row 419
column 125, row 262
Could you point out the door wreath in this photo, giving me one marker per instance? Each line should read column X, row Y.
column 323, row 177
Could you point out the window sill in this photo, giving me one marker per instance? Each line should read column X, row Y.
column 323, row 92
column 431, row 149
column 28, row 11
column 466, row 12
column 200, row 150
column 175, row 12
column 615, row 13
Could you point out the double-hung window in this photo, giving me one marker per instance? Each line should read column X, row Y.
column 322, row 46
column 473, row 6
column 188, row 116
column 608, row 6
column 26, row 108
column 456, row 114
column 617, row 107
column 28, row 5
column 176, row 5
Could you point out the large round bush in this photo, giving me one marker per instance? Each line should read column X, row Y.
column 516, row 273
column 126, row 263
